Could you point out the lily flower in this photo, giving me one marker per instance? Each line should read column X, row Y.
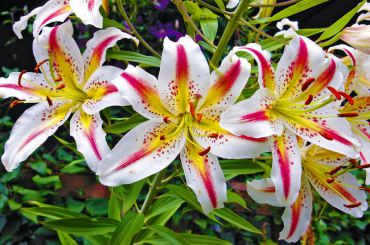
column 59, row 10
column 323, row 170
column 358, row 34
column 68, row 83
column 183, row 107
column 358, row 115
column 359, row 76
column 293, row 100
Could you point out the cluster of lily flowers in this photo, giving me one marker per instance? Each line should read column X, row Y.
column 311, row 112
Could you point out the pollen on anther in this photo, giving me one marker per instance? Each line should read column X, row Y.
column 307, row 83
column 166, row 120
column 353, row 205
column 309, row 100
column 205, row 151
column 15, row 102
column 349, row 114
column 61, row 86
column 50, row 102
column 199, row 117
column 334, row 92
column 162, row 137
column 213, row 135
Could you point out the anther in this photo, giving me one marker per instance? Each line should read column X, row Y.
column 58, row 79
column 213, row 135
column 166, row 120
column 205, row 151
column 349, row 114
column 307, row 83
column 309, row 100
column 362, row 166
column 198, row 96
column 347, row 97
column 353, row 161
column 353, row 205
column 162, row 137
column 364, row 188
column 192, row 109
column 37, row 67
column 20, row 78
column 50, row 102
column 334, row 170
column 61, row 86
column 326, row 135
column 15, row 102
column 334, row 92
column 330, row 180
column 199, row 117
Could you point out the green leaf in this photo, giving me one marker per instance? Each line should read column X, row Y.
column 112, row 23
column 340, row 24
column 130, row 56
column 190, row 238
column 83, row 226
column 233, row 197
column 131, row 224
column 75, row 205
column 168, row 235
column 291, row 10
column 163, row 204
column 186, row 195
column 97, row 206
column 233, row 218
column 220, row 4
column 75, row 167
column 192, row 8
column 13, row 205
column 232, row 168
column 48, row 181
column 133, row 192
column 66, row 239
column 69, row 145
column 53, row 212
column 40, row 167
column 124, row 126
column 114, row 207
column 209, row 25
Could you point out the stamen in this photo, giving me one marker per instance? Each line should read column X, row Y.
column 326, row 136
column 307, row 84
column 213, row 135
column 199, row 117
column 162, row 137
column 192, row 109
column 330, row 180
column 20, row 78
column 50, row 102
column 198, row 96
column 366, row 165
column 61, row 86
column 58, row 79
column 166, row 120
column 353, row 161
column 353, row 205
column 309, row 100
column 347, row 97
column 349, row 114
column 334, row 92
column 334, row 170
column 37, row 67
column 364, row 188
column 15, row 102
column 205, row 151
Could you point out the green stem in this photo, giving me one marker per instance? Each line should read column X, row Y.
column 257, row 5
column 134, row 31
column 229, row 31
column 153, row 190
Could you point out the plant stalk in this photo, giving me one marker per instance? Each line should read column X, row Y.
column 153, row 190
column 134, row 31
column 229, row 31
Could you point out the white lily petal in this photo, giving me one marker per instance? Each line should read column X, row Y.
column 21, row 24
column 88, row 11
column 263, row 191
column 32, row 129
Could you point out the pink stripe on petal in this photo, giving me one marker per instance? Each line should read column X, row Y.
column 245, row 137
column 182, row 65
column 90, row 136
column 209, row 187
column 90, row 5
column 132, row 159
column 284, row 171
column 53, row 15
column 100, row 48
column 296, row 213
column 267, row 74
column 33, row 136
column 255, row 117
column 331, row 134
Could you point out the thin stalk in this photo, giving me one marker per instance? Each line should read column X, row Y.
column 215, row 9
column 229, row 31
column 181, row 7
column 133, row 29
column 153, row 190
column 257, row 5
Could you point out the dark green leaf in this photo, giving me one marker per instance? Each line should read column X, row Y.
column 66, row 239
column 131, row 224
column 130, row 56
column 233, row 218
column 124, row 126
column 168, row 235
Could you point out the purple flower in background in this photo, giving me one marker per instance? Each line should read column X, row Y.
column 160, row 30
column 160, row 4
